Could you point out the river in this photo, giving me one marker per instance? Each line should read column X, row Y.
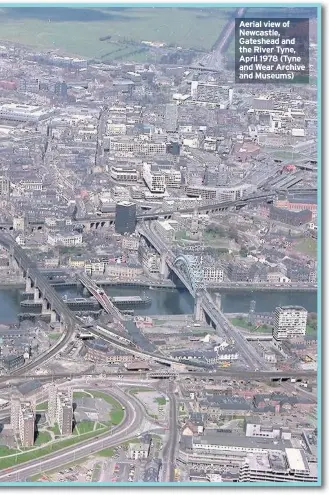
column 173, row 302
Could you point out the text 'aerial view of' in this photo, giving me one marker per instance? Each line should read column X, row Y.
column 160, row 262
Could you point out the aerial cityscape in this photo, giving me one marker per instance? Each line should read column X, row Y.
column 159, row 311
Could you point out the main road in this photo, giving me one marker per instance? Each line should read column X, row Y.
column 169, row 450
column 127, row 429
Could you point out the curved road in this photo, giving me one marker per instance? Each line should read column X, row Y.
column 132, row 420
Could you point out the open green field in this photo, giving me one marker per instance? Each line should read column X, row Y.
column 86, row 427
column 77, row 31
column 43, row 437
column 43, row 406
column 80, row 395
column 307, row 246
column 243, row 323
column 161, row 401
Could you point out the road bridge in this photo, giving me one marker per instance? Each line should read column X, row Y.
column 189, row 270
column 100, row 296
column 224, row 374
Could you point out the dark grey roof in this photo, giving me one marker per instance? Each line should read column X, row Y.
column 29, row 386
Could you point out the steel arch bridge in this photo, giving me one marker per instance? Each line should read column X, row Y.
column 192, row 268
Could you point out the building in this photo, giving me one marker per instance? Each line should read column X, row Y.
column 289, row 465
column 213, row 273
column 130, row 242
column 173, row 178
column 295, row 206
column 22, row 420
column 289, row 322
column 24, row 113
column 60, row 409
column 254, row 428
column 138, row 450
column 126, row 145
column 289, row 217
column 211, row 93
column 171, row 117
column 125, row 217
column 124, row 174
column 4, row 186
column 64, row 412
column 55, row 239
column 60, row 89
column 124, row 271
column 155, row 180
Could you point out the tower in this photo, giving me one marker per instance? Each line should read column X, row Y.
column 125, row 217
column 52, row 403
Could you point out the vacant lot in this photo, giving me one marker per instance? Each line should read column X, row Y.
column 78, row 30
column 307, row 246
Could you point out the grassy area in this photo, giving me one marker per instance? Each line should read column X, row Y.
column 117, row 412
column 6, row 451
column 80, row 395
column 43, row 406
column 161, row 401
column 86, row 427
column 78, row 30
column 54, row 335
column 312, row 324
column 243, row 323
column 43, row 437
column 307, row 246
column 87, row 431
column 106, row 452
column 7, row 462
column 55, row 429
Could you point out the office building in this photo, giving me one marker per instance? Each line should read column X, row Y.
column 4, row 185
column 124, row 174
column 24, row 113
column 289, row 322
column 125, row 217
column 173, row 178
column 60, row 89
column 155, row 180
column 289, row 465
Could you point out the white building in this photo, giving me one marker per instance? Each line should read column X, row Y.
column 145, row 146
column 155, row 181
column 173, row 178
column 138, row 450
column 122, row 174
column 213, row 274
column 289, row 322
column 64, row 239
column 24, row 113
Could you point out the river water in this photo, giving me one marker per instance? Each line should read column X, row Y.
column 174, row 302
